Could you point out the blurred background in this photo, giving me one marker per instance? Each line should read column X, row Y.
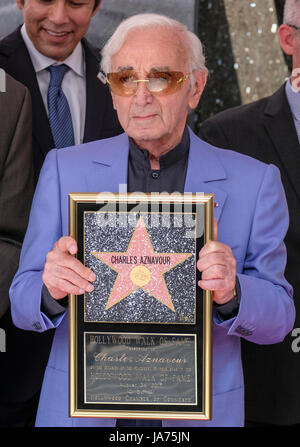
column 240, row 41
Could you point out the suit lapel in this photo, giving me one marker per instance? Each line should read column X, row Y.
column 204, row 169
column 279, row 124
column 109, row 165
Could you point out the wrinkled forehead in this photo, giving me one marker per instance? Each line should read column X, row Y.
column 152, row 49
column 154, row 69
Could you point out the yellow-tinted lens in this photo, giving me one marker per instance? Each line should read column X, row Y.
column 123, row 83
column 158, row 82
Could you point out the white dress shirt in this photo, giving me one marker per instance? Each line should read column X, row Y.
column 73, row 84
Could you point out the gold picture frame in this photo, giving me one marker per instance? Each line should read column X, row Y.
column 141, row 341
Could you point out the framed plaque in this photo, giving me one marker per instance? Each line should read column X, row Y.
column 140, row 342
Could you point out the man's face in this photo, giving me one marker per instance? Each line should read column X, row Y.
column 56, row 26
column 146, row 117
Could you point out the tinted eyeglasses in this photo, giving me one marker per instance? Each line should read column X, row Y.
column 297, row 28
column 125, row 83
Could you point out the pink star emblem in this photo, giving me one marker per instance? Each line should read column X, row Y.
column 140, row 267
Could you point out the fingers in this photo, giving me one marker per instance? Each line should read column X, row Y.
column 218, row 267
column 66, row 244
column 63, row 273
column 214, row 247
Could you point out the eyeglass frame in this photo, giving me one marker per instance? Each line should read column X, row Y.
column 184, row 77
column 297, row 28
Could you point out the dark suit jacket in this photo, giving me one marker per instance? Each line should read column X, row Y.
column 16, row 191
column 101, row 122
column 265, row 130
column 101, row 119
column 16, row 180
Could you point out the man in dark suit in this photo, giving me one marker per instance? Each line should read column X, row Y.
column 16, row 181
column 52, row 36
column 269, row 130
column 54, row 30
column 16, row 191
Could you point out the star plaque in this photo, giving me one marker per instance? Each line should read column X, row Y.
column 152, row 278
column 140, row 342
column 140, row 267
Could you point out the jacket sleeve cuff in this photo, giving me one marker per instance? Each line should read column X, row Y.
column 50, row 306
column 230, row 309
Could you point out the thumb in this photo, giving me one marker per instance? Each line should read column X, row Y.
column 67, row 244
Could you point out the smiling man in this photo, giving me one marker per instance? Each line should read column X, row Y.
column 56, row 27
column 156, row 72
column 50, row 55
column 50, row 50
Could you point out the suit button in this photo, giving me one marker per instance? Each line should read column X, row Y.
column 155, row 174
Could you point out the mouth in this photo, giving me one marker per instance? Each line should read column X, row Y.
column 55, row 34
column 144, row 117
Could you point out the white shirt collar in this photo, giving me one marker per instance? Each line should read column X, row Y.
column 40, row 62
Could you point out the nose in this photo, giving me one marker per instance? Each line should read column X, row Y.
column 58, row 12
column 142, row 95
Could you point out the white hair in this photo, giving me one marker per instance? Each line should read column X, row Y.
column 196, row 59
column 291, row 14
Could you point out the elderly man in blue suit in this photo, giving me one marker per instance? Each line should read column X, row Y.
column 156, row 72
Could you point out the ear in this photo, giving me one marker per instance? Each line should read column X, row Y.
column 200, row 77
column 20, row 4
column 288, row 39
column 97, row 9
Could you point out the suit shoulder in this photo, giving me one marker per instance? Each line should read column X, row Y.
column 239, row 113
column 10, row 42
column 238, row 164
column 248, row 114
column 92, row 149
column 230, row 159
column 15, row 94
column 229, row 156
column 89, row 47
column 245, row 170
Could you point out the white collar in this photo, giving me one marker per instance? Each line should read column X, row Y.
column 40, row 62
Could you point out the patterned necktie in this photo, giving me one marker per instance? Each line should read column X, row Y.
column 59, row 112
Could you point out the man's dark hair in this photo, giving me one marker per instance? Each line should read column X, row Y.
column 96, row 3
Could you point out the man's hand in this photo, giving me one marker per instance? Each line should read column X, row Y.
column 65, row 274
column 218, row 267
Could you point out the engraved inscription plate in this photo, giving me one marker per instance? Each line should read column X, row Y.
column 140, row 368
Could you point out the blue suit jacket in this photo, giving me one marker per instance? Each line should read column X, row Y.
column 252, row 219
